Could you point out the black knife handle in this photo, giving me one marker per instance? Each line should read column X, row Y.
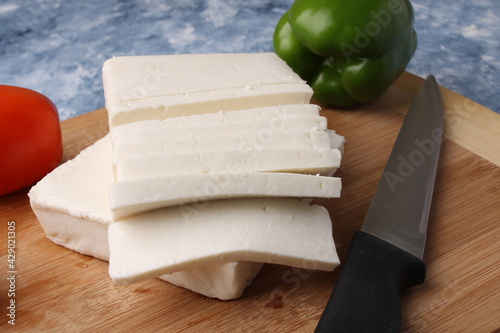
column 366, row 296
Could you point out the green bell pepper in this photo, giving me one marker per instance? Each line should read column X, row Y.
column 349, row 51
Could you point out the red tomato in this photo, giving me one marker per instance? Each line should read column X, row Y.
column 30, row 138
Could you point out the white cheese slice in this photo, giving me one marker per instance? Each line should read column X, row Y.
column 336, row 141
column 279, row 231
column 158, row 87
column 239, row 141
column 207, row 102
column 271, row 114
column 72, row 206
column 165, row 75
column 135, row 196
column 298, row 160
column 256, row 128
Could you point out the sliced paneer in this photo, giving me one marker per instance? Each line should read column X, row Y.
column 272, row 114
column 255, row 128
column 135, row 196
column 71, row 203
column 163, row 86
column 279, row 231
column 296, row 160
column 207, row 102
column 239, row 141
column 336, row 141
column 166, row 75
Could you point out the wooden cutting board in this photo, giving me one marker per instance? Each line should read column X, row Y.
column 60, row 290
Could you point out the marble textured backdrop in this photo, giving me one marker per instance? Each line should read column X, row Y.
column 57, row 47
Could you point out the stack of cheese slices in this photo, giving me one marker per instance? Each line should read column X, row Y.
column 200, row 180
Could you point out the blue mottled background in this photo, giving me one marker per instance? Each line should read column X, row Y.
column 57, row 47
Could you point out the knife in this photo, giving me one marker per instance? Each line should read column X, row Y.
column 385, row 257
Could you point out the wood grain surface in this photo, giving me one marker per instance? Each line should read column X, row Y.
column 58, row 290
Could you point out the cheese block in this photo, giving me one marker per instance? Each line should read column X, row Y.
column 239, row 141
column 279, row 231
column 163, row 86
column 135, row 196
column 272, row 114
column 300, row 160
column 71, row 203
column 262, row 127
column 222, row 280
column 72, row 206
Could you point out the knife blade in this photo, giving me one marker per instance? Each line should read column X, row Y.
column 385, row 257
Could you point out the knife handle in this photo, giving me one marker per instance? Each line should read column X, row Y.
column 366, row 296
